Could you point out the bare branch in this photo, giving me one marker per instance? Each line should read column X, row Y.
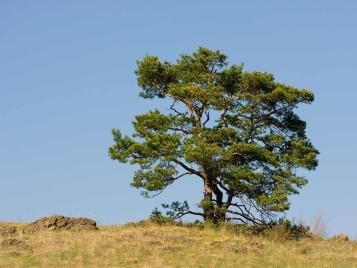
column 179, row 129
column 172, row 107
column 189, row 169
column 171, row 181
column 238, row 219
column 207, row 118
column 219, row 182
column 229, row 201
column 247, row 218
column 181, row 214
column 221, row 118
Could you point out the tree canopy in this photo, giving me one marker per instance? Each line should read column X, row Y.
column 235, row 130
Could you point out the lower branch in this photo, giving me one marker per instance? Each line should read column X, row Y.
column 181, row 214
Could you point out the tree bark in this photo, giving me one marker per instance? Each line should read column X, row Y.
column 220, row 214
column 208, row 208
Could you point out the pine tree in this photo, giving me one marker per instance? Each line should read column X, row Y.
column 234, row 130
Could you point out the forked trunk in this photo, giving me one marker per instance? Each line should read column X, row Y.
column 212, row 213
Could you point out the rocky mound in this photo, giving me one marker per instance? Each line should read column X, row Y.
column 59, row 222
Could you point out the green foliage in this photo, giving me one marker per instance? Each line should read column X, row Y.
column 157, row 217
column 205, row 204
column 235, row 130
column 176, row 209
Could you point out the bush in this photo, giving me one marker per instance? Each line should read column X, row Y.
column 283, row 229
column 157, row 217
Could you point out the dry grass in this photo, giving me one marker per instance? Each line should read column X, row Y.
column 150, row 245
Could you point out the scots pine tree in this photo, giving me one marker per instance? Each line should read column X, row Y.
column 236, row 131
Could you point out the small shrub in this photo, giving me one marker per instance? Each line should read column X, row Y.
column 157, row 217
column 282, row 229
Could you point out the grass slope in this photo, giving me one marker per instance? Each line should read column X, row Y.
column 151, row 245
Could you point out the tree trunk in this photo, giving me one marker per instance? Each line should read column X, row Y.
column 208, row 208
column 212, row 212
column 220, row 214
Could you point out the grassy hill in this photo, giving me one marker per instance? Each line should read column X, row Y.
column 151, row 245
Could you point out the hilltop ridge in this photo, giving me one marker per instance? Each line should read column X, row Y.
column 147, row 244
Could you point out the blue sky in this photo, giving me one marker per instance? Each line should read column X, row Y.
column 67, row 78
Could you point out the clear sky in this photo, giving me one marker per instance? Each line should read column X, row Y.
column 67, row 78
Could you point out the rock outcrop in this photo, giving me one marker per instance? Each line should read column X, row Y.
column 59, row 222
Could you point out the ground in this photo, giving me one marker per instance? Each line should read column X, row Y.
column 151, row 245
